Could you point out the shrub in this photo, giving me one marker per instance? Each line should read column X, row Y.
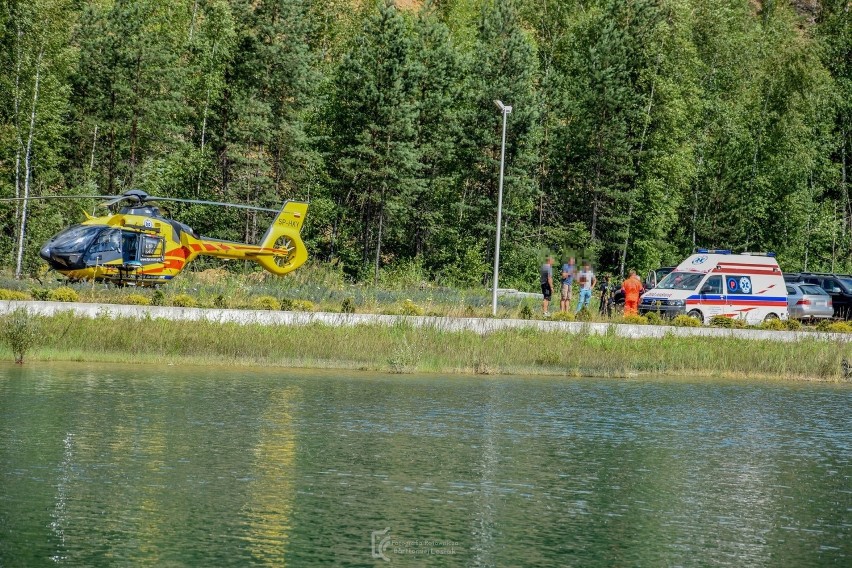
column 525, row 312
column 840, row 327
column 654, row 318
column 409, row 308
column 184, row 301
column 266, row 303
column 13, row 295
column 793, row 325
column 634, row 320
column 584, row 315
column 562, row 316
column 220, row 302
column 303, row 306
column 158, row 298
column 20, row 332
column 730, row 323
column 40, row 294
column 685, row 321
column 773, row 324
column 64, row 294
column 137, row 300
column 287, row 304
column 348, row 306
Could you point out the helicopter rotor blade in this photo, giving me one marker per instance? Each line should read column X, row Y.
column 43, row 197
column 113, row 200
column 143, row 198
column 202, row 202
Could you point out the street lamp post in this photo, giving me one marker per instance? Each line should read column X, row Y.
column 506, row 110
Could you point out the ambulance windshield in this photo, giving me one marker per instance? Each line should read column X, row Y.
column 680, row 281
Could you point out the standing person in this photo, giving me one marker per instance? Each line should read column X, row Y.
column 606, row 289
column 546, row 284
column 568, row 271
column 587, row 281
column 632, row 288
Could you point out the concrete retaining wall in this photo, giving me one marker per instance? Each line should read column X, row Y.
column 478, row 325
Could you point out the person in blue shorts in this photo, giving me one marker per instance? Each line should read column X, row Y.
column 587, row 281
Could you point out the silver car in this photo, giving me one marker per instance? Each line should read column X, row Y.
column 808, row 301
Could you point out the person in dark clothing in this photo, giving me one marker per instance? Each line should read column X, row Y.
column 547, row 284
column 607, row 290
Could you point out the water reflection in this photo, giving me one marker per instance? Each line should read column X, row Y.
column 184, row 467
column 270, row 497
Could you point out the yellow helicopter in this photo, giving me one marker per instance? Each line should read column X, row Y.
column 136, row 245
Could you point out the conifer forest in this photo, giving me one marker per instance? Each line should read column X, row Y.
column 640, row 129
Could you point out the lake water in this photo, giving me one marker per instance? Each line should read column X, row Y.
column 166, row 467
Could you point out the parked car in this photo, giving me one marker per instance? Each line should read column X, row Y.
column 838, row 286
column 808, row 302
column 651, row 280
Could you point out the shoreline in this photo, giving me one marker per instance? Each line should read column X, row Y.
column 477, row 325
column 409, row 345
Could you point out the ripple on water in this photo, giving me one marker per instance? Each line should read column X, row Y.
column 226, row 467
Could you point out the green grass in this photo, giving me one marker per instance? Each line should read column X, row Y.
column 402, row 349
column 321, row 284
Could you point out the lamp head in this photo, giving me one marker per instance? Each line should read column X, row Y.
column 506, row 109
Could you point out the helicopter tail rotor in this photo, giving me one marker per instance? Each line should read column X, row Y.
column 282, row 249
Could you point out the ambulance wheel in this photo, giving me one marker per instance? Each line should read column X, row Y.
column 770, row 317
column 695, row 314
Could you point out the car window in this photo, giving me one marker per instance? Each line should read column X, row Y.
column 791, row 291
column 713, row 285
column 813, row 290
column 829, row 284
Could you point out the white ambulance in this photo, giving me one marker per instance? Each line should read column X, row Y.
column 710, row 283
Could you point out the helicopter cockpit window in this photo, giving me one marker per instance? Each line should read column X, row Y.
column 152, row 247
column 107, row 241
column 74, row 239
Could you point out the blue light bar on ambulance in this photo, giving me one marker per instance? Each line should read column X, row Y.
column 712, row 251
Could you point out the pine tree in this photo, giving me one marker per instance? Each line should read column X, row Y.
column 438, row 72
column 372, row 118
column 504, row 67
column 130, row 87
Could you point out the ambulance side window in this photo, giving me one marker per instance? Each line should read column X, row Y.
column 713, row 285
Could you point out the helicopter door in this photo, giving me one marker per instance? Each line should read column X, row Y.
column 130, row 246
column 107, row 247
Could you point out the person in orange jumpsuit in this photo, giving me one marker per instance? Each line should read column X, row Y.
column 632, row 288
